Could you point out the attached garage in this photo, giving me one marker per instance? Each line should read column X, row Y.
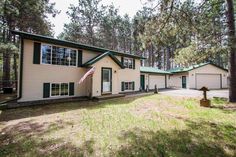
column 212, row 81
column 158, row 80
column 205, row 74
column 151, row 77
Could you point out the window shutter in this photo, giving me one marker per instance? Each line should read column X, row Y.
column 122, row 60
column 133, row 85
column 37, row 50
column 71, row 88
column 46, row 90
column 122, row 86
column 80, row 57
column 134, row 63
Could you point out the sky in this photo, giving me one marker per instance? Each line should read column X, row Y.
column 125, row 6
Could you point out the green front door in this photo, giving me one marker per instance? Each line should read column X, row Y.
column 184, row 82
column 142, row 82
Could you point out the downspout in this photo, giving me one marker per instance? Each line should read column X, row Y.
column 20, row 74
column 21, row 68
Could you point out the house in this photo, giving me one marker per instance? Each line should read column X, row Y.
column 197, row 76
column 150, row 77
column 51, row 69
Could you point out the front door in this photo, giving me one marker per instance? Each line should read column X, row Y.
column 142, row 82
column 106, row 80
column 184, row 82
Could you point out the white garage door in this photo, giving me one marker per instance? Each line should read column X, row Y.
column 211, row 81
column 158, row 80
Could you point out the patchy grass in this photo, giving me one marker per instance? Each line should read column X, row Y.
column 153, row 125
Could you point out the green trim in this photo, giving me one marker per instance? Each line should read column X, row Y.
column 184, row 82
column 180, row 70
column 71, row 89
column 51, row 40
column 46, row 90
column 99, row 57
column 80, row 58
column 142, row 82
column 122, row 86
column 153, row 70
column 37, row 53
column 133, row 63
column 165, row 81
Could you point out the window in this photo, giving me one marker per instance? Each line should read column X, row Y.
column 128, row 63
column 64, row 89
column 128, row 86
column 73, row 57
column 46, row 54
column 55, row 89
column 58, row 55
column 59, row 89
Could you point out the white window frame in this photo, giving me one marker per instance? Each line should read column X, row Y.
column 132, row 62
column 41, row 61
column 59, row 89
column 129, row 82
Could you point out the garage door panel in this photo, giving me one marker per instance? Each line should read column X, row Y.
column 211, row 81
column 156, row 80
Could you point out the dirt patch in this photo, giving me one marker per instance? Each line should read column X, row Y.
column 162, row 108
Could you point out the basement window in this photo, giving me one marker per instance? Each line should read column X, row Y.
column 128, row 86
column 59, row 89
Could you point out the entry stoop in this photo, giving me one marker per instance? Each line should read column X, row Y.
column 110, row 96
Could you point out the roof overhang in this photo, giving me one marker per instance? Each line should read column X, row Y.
column 71, row 44
column 99, row 57
column 198, row 66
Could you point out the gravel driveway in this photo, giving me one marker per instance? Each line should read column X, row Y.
column 222, row 93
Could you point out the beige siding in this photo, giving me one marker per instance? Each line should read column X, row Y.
column 107, row 63
column 146, row 80
column 34, row 75
column 175, row 80
column 128, row 75
column 155, row 79
column 208, row 69
column 158, row 80
column 118, row 75
column 88, row 55
column 211, row 81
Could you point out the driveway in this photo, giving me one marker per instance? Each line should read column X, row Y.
column 222, row 93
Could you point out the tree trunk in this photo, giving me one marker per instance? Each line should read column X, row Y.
column 6, row 63
column 168, row 58
column 232, row 51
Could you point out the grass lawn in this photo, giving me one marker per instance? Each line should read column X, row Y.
column 153, row 125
